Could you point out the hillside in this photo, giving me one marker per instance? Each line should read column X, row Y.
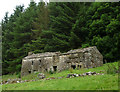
column 108, row 81
column 59, row 27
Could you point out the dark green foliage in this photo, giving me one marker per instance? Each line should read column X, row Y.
column 74, row 41
column 63, row 17
column 54, row 41
column 16, row 33
column 85, row 45
column 51, row 72
column 59, row 27
column 104, row 30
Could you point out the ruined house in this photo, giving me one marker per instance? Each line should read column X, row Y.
column 55, row 61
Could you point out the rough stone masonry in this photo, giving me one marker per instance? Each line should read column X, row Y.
column 55, row 61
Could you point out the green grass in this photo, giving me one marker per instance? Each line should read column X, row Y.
column 98, row 82
column 6, row 77
column 63, row 73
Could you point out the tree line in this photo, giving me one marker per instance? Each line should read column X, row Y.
column 61, row 27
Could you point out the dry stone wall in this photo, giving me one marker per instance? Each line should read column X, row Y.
column 55, row 61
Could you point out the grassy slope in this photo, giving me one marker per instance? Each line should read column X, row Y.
column 103, row 82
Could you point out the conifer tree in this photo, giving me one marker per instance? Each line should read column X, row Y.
column 62, row 18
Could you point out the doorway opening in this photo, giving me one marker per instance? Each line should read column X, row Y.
column 55, row 68
column 73, row 66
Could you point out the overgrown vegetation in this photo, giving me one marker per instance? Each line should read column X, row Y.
column 98, row 82
column 59, row 27
column 102, row 69
column 111, row 69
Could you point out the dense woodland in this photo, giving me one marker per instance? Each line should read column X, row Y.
column 59, row 27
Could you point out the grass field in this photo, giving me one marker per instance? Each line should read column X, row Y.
column 98, row 82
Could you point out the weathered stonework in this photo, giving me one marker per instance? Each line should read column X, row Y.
column 55, row 61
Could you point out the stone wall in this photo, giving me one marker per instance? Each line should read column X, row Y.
column 55, row 61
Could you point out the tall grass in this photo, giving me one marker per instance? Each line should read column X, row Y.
column 108, row 81
column 111, row 68
column 6, row 77
column 99, row 82
column 108, row 68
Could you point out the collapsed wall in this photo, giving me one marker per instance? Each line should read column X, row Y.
column 55, row 61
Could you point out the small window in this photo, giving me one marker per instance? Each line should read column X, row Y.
column 73, row 66
column 29, row 71
column 32, row 62
column 39, row 62
column 80, row 66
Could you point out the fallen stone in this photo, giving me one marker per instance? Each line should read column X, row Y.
column 84, row 74
column 98, row 73
column 52, row 78
column 68, row 76
column 22, row 81
column 18, row 82
column 47, row 78
column 41, row 76
column 77, row 75
column 93, row 73
column 87, row 73
column 60, row 77
column 74, row 75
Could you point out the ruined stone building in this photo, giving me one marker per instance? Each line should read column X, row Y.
column 55, row 61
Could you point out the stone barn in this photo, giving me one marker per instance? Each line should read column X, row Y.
column 55, row 61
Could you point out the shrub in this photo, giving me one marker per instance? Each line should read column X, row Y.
column 111, row 69
column 51, row 72
column 85, row 45
column 19, row 75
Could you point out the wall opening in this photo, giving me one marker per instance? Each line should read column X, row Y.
column 80, row 66
column 73, row 66
column 29, row 71
column 55, row 68
column 46, row 70
column 34, row 70
column 32, row 62
column 39, row 62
